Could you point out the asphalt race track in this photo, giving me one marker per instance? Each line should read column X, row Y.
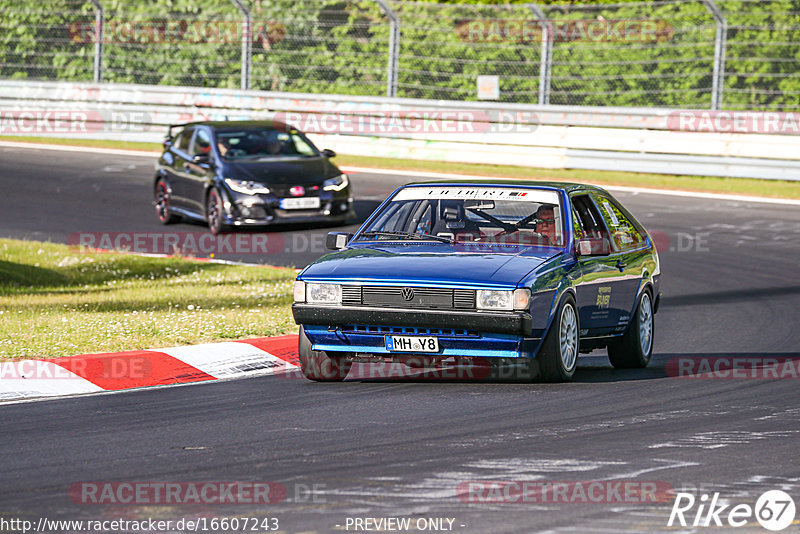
column 402, row 448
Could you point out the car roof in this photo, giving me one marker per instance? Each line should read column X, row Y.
column 568, row 187
column 275, row 125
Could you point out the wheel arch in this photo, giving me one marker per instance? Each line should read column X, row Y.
column 161, row 175
column 564, row 290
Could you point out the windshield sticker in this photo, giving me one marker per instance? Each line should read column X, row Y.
column 478, row 193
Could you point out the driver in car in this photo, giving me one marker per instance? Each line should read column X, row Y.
column 223, row 145
column 546, row 222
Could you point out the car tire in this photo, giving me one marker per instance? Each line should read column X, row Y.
column 634, row 349
column 161, row 200
column 215, row 211
column 558, row 356
column 318, row 366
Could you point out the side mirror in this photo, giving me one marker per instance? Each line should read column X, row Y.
column 200, row 158
column 594, row 246
column 166, row 143
column 328, row 153
column 337, row 240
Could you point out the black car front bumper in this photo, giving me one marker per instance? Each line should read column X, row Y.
column 245, row 211
column 515, row 323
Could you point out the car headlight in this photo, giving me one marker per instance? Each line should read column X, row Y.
column 492, row 299
column 337, row 183
column 247, row 187
column 323, row 293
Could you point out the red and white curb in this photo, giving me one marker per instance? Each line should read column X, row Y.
column 95, row 373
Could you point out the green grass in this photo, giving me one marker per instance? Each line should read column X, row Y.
column 706, row 184
column 58, row 301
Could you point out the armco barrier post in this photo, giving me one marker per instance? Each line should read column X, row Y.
column 247, row 42
column 394, row 48
column 99, row 29
column 546, row 62
column 720, row 44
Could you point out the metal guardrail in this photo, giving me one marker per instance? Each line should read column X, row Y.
column 604, row 138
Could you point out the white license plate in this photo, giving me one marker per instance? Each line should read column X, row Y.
column 411, row 344
column 305, row 203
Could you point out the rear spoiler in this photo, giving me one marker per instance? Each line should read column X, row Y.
column 171, row 126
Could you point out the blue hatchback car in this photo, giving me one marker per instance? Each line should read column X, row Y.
column 511, row 271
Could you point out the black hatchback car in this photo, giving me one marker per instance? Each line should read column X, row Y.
column 241, row 173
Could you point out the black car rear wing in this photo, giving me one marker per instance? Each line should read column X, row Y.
column 170, row 137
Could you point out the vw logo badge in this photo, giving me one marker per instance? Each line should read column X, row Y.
column 297, row 191
column 407, row 293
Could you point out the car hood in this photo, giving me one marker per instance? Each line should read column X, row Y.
column 283, row 170
column 443, row 264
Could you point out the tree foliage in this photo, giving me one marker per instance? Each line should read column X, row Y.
column 340, row 46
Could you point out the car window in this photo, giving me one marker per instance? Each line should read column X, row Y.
column 588, row 218
column 202, row 143
column 623, row 234
column 184, row 139
column 261, row 143
column 577, row 229
column 481, row 214
column 301, row 146
column 396, row 218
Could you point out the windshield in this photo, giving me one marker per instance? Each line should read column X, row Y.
column 490, row 215
column 258, row 143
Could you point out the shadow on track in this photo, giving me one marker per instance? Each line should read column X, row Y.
column 726, row 297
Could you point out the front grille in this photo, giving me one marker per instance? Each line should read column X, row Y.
column 351, row 295
column 282, row 191
column 409, row 297
column 408, row 330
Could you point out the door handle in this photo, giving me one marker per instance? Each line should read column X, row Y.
column 621, row 266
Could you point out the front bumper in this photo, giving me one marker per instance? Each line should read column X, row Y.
column 514, row 323
column 370, row 341
column 253, row 210
column 298, row 218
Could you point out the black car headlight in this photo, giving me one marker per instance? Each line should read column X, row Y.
column 337, row 183
column 248, row 187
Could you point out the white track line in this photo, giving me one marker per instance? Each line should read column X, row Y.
column 424, row 174
column 88, row 149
